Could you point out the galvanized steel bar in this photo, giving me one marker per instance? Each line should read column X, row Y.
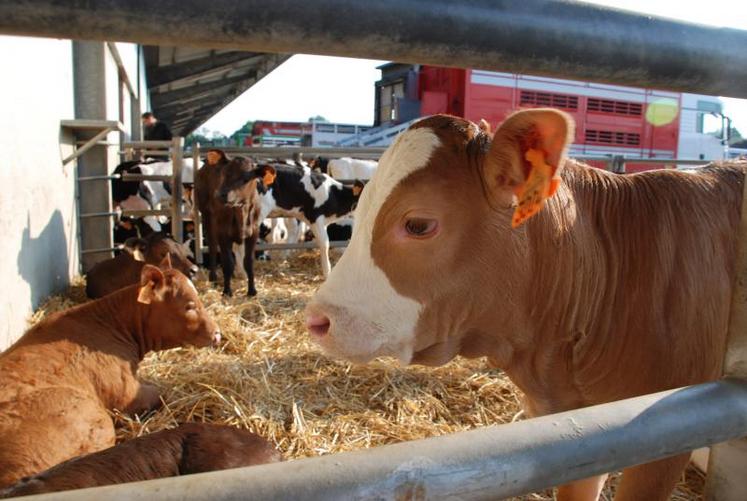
column 126, row 176
column 146, row 212
column 299, row 245
column 147, row 144
column 289, row 151
column 98, row 178
column 90, row 143
column 485, row 464
column 197, row 217
column 177, row 152
column 559, row 38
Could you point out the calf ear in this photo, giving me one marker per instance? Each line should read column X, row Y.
column 268, row 174
column 151, row 284
column 165, row 263
column 214, row 157
column 484, row 126
column 358, row 187
column 525, row 159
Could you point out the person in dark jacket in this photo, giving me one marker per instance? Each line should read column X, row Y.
column 153, row 130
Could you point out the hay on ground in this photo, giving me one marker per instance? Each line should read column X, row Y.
column 267, row 377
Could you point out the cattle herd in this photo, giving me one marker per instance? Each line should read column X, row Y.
column 584, row 286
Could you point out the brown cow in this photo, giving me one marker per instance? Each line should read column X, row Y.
column 63, row 375
column 230, row 222
column 619, row 286
column 190, row 448
column 124, row 269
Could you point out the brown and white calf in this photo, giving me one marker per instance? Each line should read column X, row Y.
column 60, row 379
column 187, row 449
column 235, row 222
column 619, row 286
column 124, row 269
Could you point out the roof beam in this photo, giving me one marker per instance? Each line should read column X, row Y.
column 166, row 97
column 162, row 75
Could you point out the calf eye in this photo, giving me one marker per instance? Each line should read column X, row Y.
column 419, row 227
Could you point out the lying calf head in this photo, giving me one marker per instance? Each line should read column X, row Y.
column 175, row 315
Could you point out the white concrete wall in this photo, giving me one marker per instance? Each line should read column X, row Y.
column 38, row 248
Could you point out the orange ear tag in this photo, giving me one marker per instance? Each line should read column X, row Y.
column 268, row 178
column 539, row 186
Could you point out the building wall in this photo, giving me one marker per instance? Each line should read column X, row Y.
column 37, row 206
column 38, row 220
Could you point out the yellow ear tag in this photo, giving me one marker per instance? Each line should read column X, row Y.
column 539, row 186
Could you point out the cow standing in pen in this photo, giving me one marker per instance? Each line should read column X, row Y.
column 231, row 220
column 596, row 287
column 312, row 197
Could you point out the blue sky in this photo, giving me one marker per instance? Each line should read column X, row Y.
column 342, row 90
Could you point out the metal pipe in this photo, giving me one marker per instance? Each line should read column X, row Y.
column 147, row 144
column 489, row 463
column 177, row 151
column 98, row 178
column 98, row 214
column 146, row 212
column 197, row 217
column 126, row 176
column 90, row 143
column 102, row 250
column 558, row 38
column 289, row 151
column 145, row 152
column 299, row 245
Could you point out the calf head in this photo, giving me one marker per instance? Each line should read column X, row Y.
column 433, row 262
column 241, row 179
column 175, row 315
column 160, row 246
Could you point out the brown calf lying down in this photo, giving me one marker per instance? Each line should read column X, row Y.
column 61, row 377
column 190, row 448
column 617, row 286
column 124, row 269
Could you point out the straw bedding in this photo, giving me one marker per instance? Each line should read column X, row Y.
column 266, row 376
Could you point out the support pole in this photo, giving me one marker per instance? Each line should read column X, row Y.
column 177, row 188
column 727, row 465
column 196, row 216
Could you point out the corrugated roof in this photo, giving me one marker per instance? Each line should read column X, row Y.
column 189, row 85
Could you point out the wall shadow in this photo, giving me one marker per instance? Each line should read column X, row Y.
column 43, row 261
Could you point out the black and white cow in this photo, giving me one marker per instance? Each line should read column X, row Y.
column 144, row 195
column 345, row 167
column 311, row 197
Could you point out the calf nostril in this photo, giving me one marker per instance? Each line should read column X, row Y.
column 216, row 337
column 318, row 325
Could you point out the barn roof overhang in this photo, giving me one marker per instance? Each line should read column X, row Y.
column 188, row 85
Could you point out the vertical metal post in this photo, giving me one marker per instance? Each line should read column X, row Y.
column 728, row 461
column 177, row 152
column 196, row 216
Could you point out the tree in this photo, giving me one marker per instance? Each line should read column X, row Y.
column 318, row 118
column 238, row 136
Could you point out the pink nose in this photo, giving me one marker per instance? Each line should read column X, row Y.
column 318, row 325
